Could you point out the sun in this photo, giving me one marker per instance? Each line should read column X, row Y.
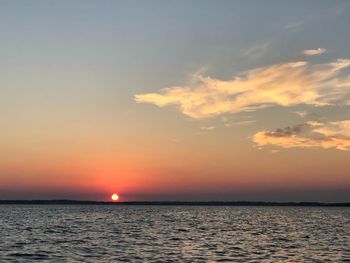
column 115, row 197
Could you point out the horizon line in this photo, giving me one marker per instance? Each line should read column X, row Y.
column 173, row 203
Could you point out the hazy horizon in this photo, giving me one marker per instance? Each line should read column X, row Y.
column 304, row 195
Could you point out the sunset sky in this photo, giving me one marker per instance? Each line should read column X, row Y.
column 175, row 100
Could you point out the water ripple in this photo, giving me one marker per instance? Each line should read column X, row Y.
column 175, row 233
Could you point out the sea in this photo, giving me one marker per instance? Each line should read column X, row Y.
column 102, row 233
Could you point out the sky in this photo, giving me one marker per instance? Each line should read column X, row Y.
column 175, row 100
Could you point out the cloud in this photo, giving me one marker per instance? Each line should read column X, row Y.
column 208, row 128
column 284, row 84
column 314, row 52
column 239, row 123
column 302, row 114
column 308, row 135
column 305, row 114
column 258, row 50
column 287, row 131
column 294, row 24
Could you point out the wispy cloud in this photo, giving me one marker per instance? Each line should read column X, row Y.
column 314, row 52
column 282, row 84
column 258, row 50
column 302, row 114
column 239, row 123
column 306, row 114
column 207, row 128
column 294, row 24
column 308, row 135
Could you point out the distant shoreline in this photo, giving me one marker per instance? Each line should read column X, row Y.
column 172, row 203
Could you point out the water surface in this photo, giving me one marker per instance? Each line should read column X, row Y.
column 97, row 233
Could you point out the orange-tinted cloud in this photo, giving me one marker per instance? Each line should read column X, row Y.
column 283, row 84
column 314, row 52
column 308, row 135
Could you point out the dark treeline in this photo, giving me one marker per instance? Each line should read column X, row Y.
column 168, row 203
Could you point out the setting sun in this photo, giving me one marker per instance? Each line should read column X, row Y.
column 115, row 197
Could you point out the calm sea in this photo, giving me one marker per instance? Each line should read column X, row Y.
column 92, row 233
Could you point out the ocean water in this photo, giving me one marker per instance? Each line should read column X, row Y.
column 93, row 233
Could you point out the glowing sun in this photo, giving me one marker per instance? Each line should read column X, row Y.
column 115, row 197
